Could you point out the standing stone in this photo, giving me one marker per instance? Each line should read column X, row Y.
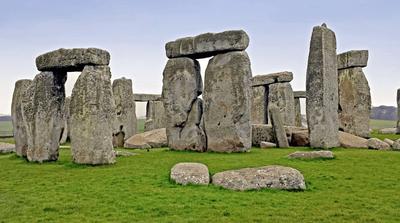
column 297, row 110
column 322, row 89
column 277, row 125
column 20, row 134
column 92, row 117
column 65, row 130
column 227, row 96
column 155, row 116
column 182, row 85
column 398, row 112
column 43, row 115
column 125, row 124
column 281, row 95
column 259, row 105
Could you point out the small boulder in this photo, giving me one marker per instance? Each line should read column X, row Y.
column 387, row 131
column 396, row 145
column 156, row 138
column 276, row 177
column 6, row 148
column 324, row 154
column 125, row 153
column 378, row 144
column 190, row 173
column 348, row 140
column 389, row 141
column 300, row 138
column 264, row 145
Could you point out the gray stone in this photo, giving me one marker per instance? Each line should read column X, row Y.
column 281, row 95
column 125, row 124
column 354, row 102
column 275, row 177
column 260, row 133
column 389, row 141
column 6, row 148
column 311, row 155
column 374, row 143
column 155, row 138
column 190, row 173
column 387, row 131
column 42, row 113
column 322, row 89
column 300, row 138
column 353, row 58
column 147, row 97
column 264, row 145
column 19, row 128
column 396, row 145
column 259, row 105
column 398, row 112
column 155, row 116
column 92, row 118
column 208, row 44
column 227, row 97
column 72, row 59
column 125, row 153
column 297, row 110
column 65, row 133
column 300, row 94
column 348, row 140
column 279, row 77
column 277, row 125
column 182, row 85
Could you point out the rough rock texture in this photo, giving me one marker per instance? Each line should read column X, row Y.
column 72, row 59
column 387, row 131
column 92, row 118
column 259, row 105
column 353, row 58
column 354, row 102
column 300, row 138
column 260, row 133
column 389, row 141
column 378, row 144
column 398, row 112
column 396, row 145
column 155, row 116
column 42, row 113
column 182, row 85
column 276, row 177
column 19, row 128
column 277, row 126
column 65, row 133
column 227, row 97
column 6, row 148
column 147, row 97
column 208, row 44
column 348, row 140
column 281, row 95
column 264, row 145
column 300, row 94
column 125, row 123
column 322, row 89
column 297, row 111
column 125, row 153
column 280, row 77
column 311, row 155
column 156, row 138
column 190, row 173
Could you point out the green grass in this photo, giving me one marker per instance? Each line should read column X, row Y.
column 380, row 124
column 6, row 126
column 357, row 186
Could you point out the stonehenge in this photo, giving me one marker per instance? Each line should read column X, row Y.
column 297, row 107
column 65, row 133
column 155, row 114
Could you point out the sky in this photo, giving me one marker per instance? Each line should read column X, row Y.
column 135, row 33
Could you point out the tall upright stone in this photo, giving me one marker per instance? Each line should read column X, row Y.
column 92, row 117
column 278, row 127
column 155, row 115
column 20, row 131
column 227, row 96
column 398, row 112
column 322, row 89
column 65, row 129
column 281, row 95
column 125, row 124
column 259, row 105
column 182, row 85
column 297, row 107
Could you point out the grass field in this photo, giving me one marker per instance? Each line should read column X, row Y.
column 380, row 124
column 357, row 186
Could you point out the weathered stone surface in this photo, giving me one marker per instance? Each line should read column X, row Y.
column 311, row 155
column 264, row 145
column 155, row 116
column 92, row 118
column 147, row 97
column 300, row 94
column 190, row 173
column 398, row 112
column 281, row 95
column 374, row 143
column 227, row 97
column 6, row 148
column 266, row 79
column 297, row 111
column 208, row 44
column 42, row 112
column 277, row 126
column 300, row 138
column 65, row 133
column 322, row 89
column 125, row 153
column 348, row 140
column 260, row 133
column 396, row 145
column 276, row 177
column 72, row 59
column 156, row 138
column 125, row 123
column 354, row 102
column 387, row 131
column 389, row 141
column 353, row 58
column 19, row 128
column 182, row 85
column 259, row 105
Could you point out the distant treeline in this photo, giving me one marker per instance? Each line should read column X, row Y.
column 384, row 113
column 5, row 118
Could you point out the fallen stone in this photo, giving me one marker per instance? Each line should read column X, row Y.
column 353, row 58
column 208, row 44
column 311, row 155
column 147, row 97
column 277, row 125
column 281, row 95
column 156, row 138
column 396, row 145
column 387, row 131
column 6, row 148
column 125, row 153
column 275, row 177
column 348, row 140
column 259, row 105
column 374, row 143
column 300, row 138
column 72, row 59
column 190, row 173
column 264, row 145
column 266, row 79
column 389, row 141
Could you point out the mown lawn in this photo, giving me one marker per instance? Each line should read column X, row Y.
column 357, row 186
column 380, row 124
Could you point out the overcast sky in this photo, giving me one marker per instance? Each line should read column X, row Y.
column 134, row 32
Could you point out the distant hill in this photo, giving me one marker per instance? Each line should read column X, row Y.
column 5, row 118
column 384, row 112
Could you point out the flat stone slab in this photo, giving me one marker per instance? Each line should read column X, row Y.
column 300, row 94
column 208, row 44
column 353, row 58
column 266, row 79
column 190, row 173
column 147, row 97
column 72, row 59
column 6, row 148
column 387, row 131
column 156, row 138
column 125, row 153
column 311, row 155
column 348, row 140
column 374, row 143
column 276, row 177
column 265, row 145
